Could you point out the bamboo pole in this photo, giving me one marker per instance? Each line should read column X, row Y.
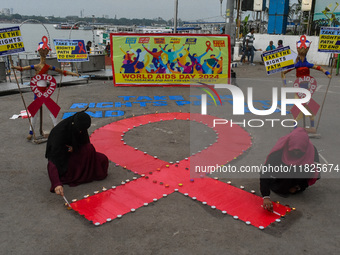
column 324, row 99
column 61, row 78
column 22, row 97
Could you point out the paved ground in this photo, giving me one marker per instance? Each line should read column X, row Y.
column 35, row 221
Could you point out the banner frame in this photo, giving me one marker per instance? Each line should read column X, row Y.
column 166, row 35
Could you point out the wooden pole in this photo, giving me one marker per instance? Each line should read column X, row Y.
column 304, row 121
column 76, row 68
column 61, row 78
column 324, row 99
column 41, row 122
column 238, row 20
column 23, row 100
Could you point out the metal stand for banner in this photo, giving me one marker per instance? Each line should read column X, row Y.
column 35, row 20
column 93, row 36
column 63, row 66
column 82, row 22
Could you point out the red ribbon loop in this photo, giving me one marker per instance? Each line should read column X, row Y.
column 208, row 44
column 303, row 42
column 306, row 79
column 81, row 47
column 312, row 105
column 45, row 43
column 43, row 95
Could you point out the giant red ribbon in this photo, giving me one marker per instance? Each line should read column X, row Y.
column 81, row 47
column 161, row 178
column 43, row 95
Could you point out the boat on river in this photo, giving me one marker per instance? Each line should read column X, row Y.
column 66, row 26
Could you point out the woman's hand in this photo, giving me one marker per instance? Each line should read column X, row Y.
column 267, row 204
column 59, row 190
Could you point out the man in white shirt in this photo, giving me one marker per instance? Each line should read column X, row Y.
column 249, row 47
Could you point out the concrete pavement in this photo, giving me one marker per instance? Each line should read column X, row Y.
column 35, row 221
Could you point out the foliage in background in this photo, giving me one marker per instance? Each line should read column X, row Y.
column 17, row 18
column 244, row 26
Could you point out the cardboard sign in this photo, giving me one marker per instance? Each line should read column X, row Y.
column 11, row 41
column 70, row 50
column 278, row 60
column 329, row 40
column 165, row 59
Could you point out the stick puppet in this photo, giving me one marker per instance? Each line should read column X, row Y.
column 303, row 67
column 43, row 68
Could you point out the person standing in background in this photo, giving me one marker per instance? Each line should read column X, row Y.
column 249, row 49
column 271, row 46
column 88, row 47
column 108, row 50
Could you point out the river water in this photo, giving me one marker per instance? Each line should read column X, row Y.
column 33, row 33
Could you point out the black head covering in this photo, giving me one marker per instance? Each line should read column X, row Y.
column 82, row 121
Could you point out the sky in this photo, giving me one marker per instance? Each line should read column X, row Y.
column 188, row 10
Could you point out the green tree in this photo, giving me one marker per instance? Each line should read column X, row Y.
column 16, row 16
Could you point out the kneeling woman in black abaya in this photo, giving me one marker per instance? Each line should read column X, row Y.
column 72, row 159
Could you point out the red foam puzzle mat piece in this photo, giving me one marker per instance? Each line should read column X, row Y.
column 159, row 178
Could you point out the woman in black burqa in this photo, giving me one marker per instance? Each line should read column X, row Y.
column 72, row 159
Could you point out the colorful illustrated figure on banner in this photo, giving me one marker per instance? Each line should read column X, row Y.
column 11, row 41
column 329, row 40
column 70, row 50
column 167, row 60
column 304, row 80
column 41, row 83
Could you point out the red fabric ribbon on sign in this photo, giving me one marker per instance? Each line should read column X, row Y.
column 159, row 178
column 43, row 95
